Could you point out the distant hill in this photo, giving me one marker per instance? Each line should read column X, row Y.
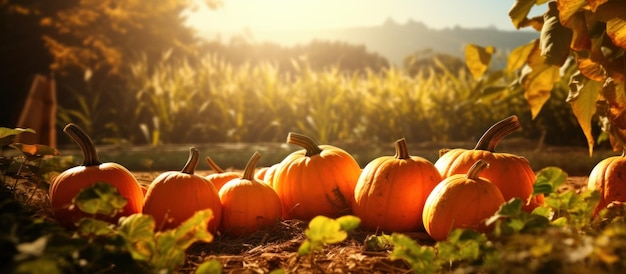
column 396, row 41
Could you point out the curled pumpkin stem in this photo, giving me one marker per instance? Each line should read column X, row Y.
column 248, row 172
column 476, row 168
column 214, row 165
column 311, row 147
column 84, row 142
column 192, row 161
column 492, row 137
column 402, row 151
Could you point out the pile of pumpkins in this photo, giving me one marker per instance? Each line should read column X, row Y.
column 400, row 193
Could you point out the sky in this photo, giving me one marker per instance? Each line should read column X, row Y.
column 285, row 15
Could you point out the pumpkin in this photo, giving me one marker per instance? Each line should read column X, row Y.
column 609, row 178
column 461, row 201
column 318, row 180
column 65, row 186
column 269, row 175
column 391, row 191
column 219, row 177
column 174, row 196
column 259, row 174
column 248, row 204
column 511, row 173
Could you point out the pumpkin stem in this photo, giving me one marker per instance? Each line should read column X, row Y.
column 84, row 142
column 497, row 132
column 214, row 165
column 312, row 148
column 402, row 151
column 192, row 161
column 248, row 172
column 476, row 168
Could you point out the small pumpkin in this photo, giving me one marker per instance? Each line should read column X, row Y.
column 318, row 180
column 259, row 174
column 511, row 173
column 391, row 191
column 65, row 186
column 461, row 201
column 174, row 196
column 248, row 204
column 269, row 175
column 219, row 177
column 609, row 178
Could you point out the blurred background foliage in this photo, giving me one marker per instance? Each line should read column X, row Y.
column 133, row 73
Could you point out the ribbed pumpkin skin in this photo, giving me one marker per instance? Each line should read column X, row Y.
column 322, row 184
column 609, row 178
column 220, row 179
column 173, row 197
column 269, row 175
column 248, row 206
column 65, row 186
column 460, row 202
column 512, row 174
column 390, row 193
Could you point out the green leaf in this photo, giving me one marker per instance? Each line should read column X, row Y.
column 477, row 59
column 100, row 198
column 325, row 230
column 35, row 151
column 555, row 38
column 421, row 258
column 168, row 256
column 378, row 243
column 138, row 231
column 548, row 180
column 7, row 135
column 90, row 226
column 194, row 229
column 305, row 248
column 40, row 265
column 348, row 222
column 509, row 209
column 209, row 267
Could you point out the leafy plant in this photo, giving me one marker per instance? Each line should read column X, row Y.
column 323, row 231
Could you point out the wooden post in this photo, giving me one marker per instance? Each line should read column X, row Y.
column 39, row 113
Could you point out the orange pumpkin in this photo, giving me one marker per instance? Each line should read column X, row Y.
column 248, row 204
column 174, row 196
column 318, row 180
column 511, row 173
column 269, row 175
column 259, row 174
column 609, row 178
column 219, row 177
column 461, row 201
column 391, row 191
column 65, row 186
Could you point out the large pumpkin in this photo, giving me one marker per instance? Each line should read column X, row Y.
column 65, row 186
column 461, row 201
column 248, row 204
column 318, row 180
column 174, row 196
column 391, row 191
column 511, row 173
column 609, row 178
column 219, row 177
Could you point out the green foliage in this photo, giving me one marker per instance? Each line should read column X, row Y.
column 323, row 230
column 100, row 198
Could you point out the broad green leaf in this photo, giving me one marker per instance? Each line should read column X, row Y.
column 550, row 176
column 582, row 91
column 348, row 222
column 519, row 55
column 509, row 209
column 378, row 243
column 555, row 38
column 325, row 230
column 90, row 226
column 209, row 267
column 194, row 229
column 421, row 258
column 37, row 151
column 138, row 230
column 48, row 265
column 567, row 8
column 168, row 255
column 305, row 248
column 477, row 59
column 519, row 12
column 100, row 198
column 7, row 135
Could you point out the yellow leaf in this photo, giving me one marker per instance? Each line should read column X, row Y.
column 477, row 59
column 519, row 55
column 519, row 12
column 582, row 93
column 538, row 79
column 567, row 8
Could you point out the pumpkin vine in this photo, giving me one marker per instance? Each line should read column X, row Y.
column 497, row 132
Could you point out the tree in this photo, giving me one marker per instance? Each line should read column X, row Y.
column 592, row 33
